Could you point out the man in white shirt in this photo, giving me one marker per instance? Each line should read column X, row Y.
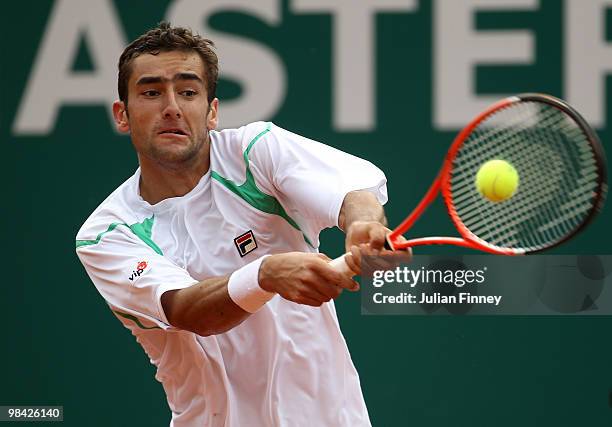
column 209, row 252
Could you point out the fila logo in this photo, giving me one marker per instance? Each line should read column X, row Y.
column 245, row 243
column 140, row 268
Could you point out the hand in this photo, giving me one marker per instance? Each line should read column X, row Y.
column 304, row 278
column 372, row 233
column 368, row 238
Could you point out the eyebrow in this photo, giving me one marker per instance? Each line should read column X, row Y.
column 147, row 80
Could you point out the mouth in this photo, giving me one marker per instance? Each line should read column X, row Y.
column 173, row 131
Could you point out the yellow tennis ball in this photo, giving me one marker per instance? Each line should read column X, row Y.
column 497, row 180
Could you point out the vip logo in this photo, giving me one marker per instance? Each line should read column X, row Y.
column 140, row 268
column 245, row 243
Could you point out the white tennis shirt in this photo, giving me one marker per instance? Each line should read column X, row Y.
column 267, row 191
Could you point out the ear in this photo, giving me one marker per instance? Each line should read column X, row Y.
column 212, row 118
column 120, row 115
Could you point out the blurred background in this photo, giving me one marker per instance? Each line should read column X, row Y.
column 388, row 80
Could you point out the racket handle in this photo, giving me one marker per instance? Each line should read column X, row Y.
column 339, row 264
column 388, row 244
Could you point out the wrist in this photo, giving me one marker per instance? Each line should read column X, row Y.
column 264, row 276
column 244, row 289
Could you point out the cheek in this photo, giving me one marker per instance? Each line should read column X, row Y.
column 140, row 120
column 196, row 119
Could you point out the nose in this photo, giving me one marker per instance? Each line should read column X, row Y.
column 171, row 107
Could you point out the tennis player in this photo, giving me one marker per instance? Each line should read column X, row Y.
column 208, row 253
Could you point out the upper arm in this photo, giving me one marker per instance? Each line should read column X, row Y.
column 132, row 276
column 312, row 179
column 204, row 308
column 168, row 302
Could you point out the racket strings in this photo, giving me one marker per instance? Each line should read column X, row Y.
column 523, row 217
column 538, row 194
column 538, row 198
column 558, row 177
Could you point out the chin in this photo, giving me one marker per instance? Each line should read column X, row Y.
column 175, row 155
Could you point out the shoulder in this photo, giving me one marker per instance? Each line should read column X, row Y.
column 252, row 145
column 228, row 141
column 255, row 136
column 115, row 210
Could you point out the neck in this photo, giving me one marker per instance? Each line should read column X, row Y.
column 161, row 181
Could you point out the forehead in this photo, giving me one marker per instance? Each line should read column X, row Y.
column 166, row 65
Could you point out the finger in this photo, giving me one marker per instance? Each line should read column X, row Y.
column 403, row 255
column 331, row 290
column 329, row 275
column 356, row 257
column 324, row 257
column 350, row 284
column 304, row 300
column 321, row 275
column 314, row 288
column 389, row 260
column 347, row 283
column 322, row 289
column 407, row 252
column 385, row 263
column 367, row 250
column 364, row 250
column 350, row 262
column 377, row 235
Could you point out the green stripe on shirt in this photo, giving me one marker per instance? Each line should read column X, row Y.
column 142, row 229
column 135, row 320
column 250, row 193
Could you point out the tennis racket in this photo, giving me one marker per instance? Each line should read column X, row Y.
column 562, row 170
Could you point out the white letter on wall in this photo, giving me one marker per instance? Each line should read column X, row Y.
column 52, row 83
column 257, row 68
column 588, row 57
column 458, row 48
column 353, row 59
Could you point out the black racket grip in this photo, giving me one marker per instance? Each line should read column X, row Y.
column 388, row 247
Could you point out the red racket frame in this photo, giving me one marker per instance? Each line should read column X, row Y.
column 442, row 185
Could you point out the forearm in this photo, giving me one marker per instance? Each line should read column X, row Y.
column 218, row 304
column 360, row 206
column 204, row 308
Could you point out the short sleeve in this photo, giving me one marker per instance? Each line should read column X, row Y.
column 131, row 276
column 311, row 179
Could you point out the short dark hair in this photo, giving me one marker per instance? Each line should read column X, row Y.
column 165, row 38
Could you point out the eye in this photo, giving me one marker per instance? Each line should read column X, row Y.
column 189, row 93
column 151, row 93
